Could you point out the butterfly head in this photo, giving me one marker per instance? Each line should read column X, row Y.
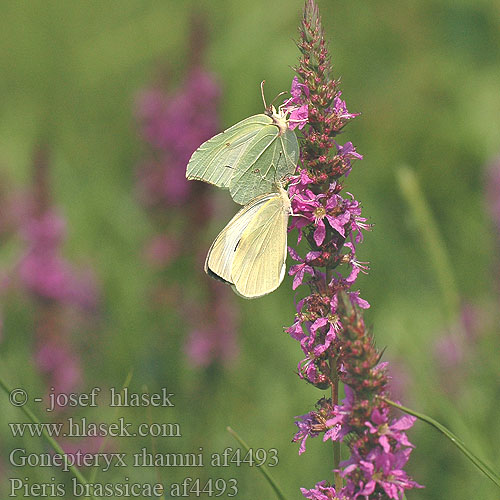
column 279, row 116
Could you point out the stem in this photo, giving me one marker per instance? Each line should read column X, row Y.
column 482, row 466
column 334, row 377
column 51, row 441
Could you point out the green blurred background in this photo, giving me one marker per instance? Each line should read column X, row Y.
column 426, row 77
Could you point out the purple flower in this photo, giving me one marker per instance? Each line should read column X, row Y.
column 44, row 272
column 342, row 414
column 340, row 109
column 321, row 492
column 356, row 300
column 306, row 424
column 379, row 425
column 356, row 266
column 175, row 125
column 296, row 106
column 299, row 270
column 310, row 208
column 380, row 471
column 328, row 323
column 346, row 153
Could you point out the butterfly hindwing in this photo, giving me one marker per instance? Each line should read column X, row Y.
column 220, row 256
column 258, row 266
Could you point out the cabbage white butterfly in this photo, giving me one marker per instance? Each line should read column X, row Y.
column 250, row 252
column 248, row 157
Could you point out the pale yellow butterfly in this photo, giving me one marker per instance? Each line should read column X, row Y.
column 250, row 252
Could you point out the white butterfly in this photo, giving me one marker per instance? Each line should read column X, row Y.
column 250, row 252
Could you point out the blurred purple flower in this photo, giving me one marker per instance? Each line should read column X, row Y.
column 44, row 272
column 449, row 350
column 399, row 378
column 59, row 364
column 204, row 347
column 214, row 340
column 161, row 250
column 175, row 125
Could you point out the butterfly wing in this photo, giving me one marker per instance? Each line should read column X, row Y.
column 258, row 265
column 287, row 162
column 217, row 159
column 219, row 261
column 268, row 158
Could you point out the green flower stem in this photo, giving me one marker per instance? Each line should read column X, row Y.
column 431, row 239
column 50, row 440
column 263, row 469
column 482, row 466
column 334, row 377
column 335, row 401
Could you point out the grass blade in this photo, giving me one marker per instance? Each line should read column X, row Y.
column 480, row 464
column 263, row 469
column 50, row 440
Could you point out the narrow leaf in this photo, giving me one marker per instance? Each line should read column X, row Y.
column 50, row 440
column 480, row 464
column 263, row 469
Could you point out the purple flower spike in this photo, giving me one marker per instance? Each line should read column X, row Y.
column 329, row 324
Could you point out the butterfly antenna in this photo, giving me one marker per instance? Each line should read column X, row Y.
column 278, row 96
column 262, row 93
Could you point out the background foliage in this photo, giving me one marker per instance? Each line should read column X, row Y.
column 426, row 77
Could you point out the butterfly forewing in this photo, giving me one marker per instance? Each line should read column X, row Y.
column 259, row 261
column 217, row 159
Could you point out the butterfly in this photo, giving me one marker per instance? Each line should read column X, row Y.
column 248, row 158
column 251, row 159
column 250, row 252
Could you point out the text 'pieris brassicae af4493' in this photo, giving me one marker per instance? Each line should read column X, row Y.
column 250, row 158
column 250, row 252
